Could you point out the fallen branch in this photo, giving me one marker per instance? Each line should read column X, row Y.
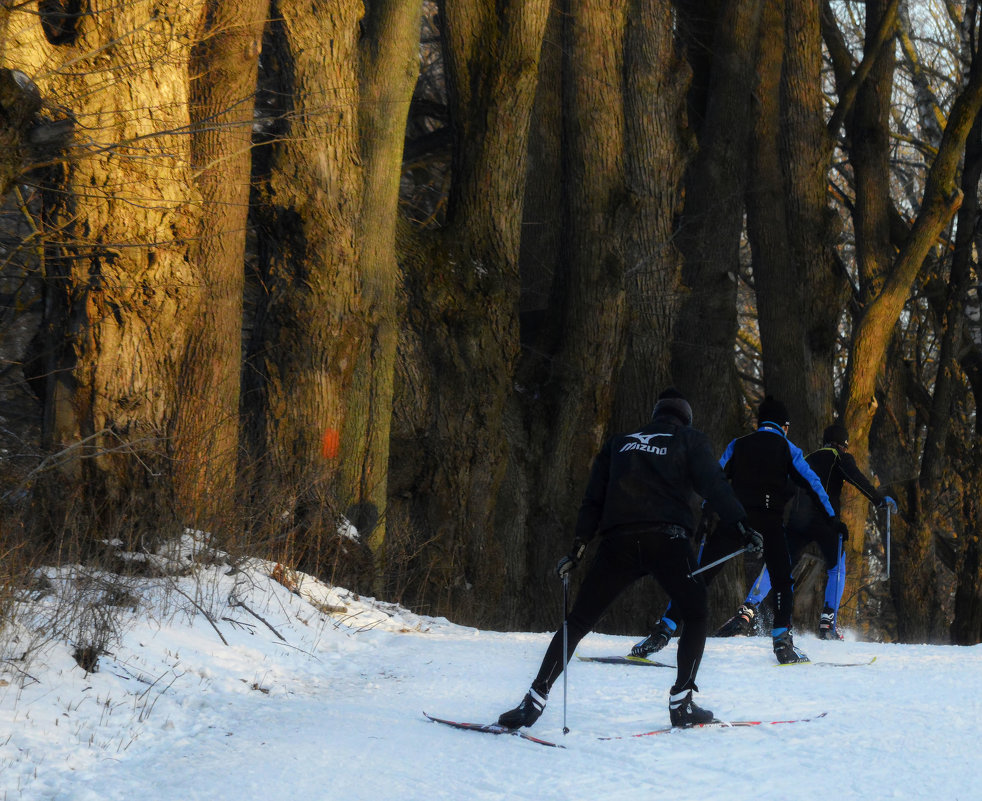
column 202, row 610
column 233, row 601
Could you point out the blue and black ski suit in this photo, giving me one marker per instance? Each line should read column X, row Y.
column 808, row 522
column 763, row 468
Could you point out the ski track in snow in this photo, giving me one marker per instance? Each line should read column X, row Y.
column 335, row 713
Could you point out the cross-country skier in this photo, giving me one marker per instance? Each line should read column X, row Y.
column 761, row 466
column 834, row 465
column 637, row 501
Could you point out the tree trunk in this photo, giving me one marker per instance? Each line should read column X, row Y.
column 721, row 40
column 460, row 349
column 799, row 291
column 588, row 302
column 389, row 68
column 206, row 434
column 119, row 254
column 310, row 329
column 886, row 280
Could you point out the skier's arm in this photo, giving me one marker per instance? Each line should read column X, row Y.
column 852, row 474
column 592, row 506
column 802, row 474
column 725, row 458
column 709, row 480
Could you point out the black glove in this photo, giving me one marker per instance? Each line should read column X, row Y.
column 567, row 563
column 753, row 542
column 842, row 530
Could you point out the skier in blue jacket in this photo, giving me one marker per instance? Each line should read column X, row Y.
column 762, row 468
column 807, row 523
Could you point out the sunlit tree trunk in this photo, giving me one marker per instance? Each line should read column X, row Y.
column 886, row 278
column 223, row 83
column 118, row 252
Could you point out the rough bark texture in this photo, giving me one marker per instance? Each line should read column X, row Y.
column 798, row 289
column 656, row 148
column 721, row 43
column 122, row 289
column 389, row 65
column 460, row 348
column 206, row 434
column 310, row 330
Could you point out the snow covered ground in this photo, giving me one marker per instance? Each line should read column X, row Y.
column 309, row 702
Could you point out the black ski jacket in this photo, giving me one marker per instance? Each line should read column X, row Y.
column 762, row 466
column 833, row 468
column 649, row 476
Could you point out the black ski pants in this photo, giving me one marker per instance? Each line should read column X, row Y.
column 777, row 557
column 807, row 523
column 623, row 557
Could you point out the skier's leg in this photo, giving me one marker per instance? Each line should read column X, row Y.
column 612, row 570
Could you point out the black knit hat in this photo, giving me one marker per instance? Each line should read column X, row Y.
column 672, row 402
column 836, row 434
column 771, row 410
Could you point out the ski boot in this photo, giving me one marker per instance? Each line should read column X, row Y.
column 785, row 651
column 682, row 710
column 654, row 642
column 742, row 624
column 826, row 625
column 526, row 713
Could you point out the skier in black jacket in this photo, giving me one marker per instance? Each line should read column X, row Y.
column 638, row 501
column 807, row 523
column 763, row 468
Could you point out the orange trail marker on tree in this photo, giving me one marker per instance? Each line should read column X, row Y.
column 330, row 443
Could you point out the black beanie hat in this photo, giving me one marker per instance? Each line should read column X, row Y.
column 771, row 410
column 671, row 401
column 836, row 434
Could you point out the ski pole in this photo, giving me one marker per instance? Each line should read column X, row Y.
column 704, row 526
column 888, row 540
column 717, row 562
column 565, row 641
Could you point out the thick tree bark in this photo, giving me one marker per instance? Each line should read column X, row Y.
column 656, row 145
column 799, row 291
column 589, row 290
column 117, row 241
column 206, row 433
column 656, row 150
column 389, row 66
column 798, row 288
column 310, row 329
column 721, row 41
column 460, row 349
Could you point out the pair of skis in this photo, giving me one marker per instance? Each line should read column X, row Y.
column 494, row 728
column 641, row 661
